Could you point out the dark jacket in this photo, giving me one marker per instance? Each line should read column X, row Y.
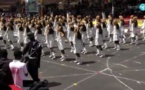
column 33, row 48
column 8, row 77
column 4, row 61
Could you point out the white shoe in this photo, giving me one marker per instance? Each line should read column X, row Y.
column 53, row 57
column 79, row 63
column 85, row 52
column 71, row 50
column 91, row 45
column 50, row 56
column 62, row 58
column 97, row 54
column 12, row 47
column 22, row 48
column 76, row 61
column 118, row 49
column 102, row 55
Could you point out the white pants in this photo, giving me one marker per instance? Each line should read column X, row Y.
column 50, row 40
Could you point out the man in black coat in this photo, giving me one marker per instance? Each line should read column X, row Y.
column 33, row 48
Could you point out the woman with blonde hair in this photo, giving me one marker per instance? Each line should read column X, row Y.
column 99, row 40
column 121, row 25
column 116, row 34
column 90, row 32
column 109, row 27
column 133, row 31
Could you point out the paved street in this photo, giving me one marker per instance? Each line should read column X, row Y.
column 119, row 70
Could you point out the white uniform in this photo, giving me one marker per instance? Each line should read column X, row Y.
column 50, row 38
column 20, row 35
column 61, row 42
column 132, row 31
column 90, row 32
column 70, row 34
column 130, row 22
column 84, row 36
column 98, row 38
column 116, row 33
column 121, row 29
column 104, row 27
column 78, row 45
column 109, row 27
column 38, row 35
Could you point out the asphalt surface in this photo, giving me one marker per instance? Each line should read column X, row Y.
column 119, row 70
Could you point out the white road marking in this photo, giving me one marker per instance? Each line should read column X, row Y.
column 69, row 66
column 72, row 75
column 135, row 70
column 137, row 62
column 107, row 64
column 80, row 81
column 122, row 65
column 125, row 78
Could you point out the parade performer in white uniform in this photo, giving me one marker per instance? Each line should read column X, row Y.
column 90, row 32
column 32, row 26
column 26, row 31
column 121, row 24
column 116, row 35
column 105, row 33
column 39, row 35
column 83, row 30
column 78, row 45
column 71, row 35
column 99, row 40
column 109, row 27
column 133, row 31
column 9, row 35
column 130, row 21
column 61, row 41
column 49, row 33
column 20, row 35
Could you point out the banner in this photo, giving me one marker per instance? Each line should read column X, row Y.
column 32, row 6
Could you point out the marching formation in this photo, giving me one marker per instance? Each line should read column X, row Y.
column 78, row 31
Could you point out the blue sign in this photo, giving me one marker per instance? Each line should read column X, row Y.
column 142, row 7
column 32, row 6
